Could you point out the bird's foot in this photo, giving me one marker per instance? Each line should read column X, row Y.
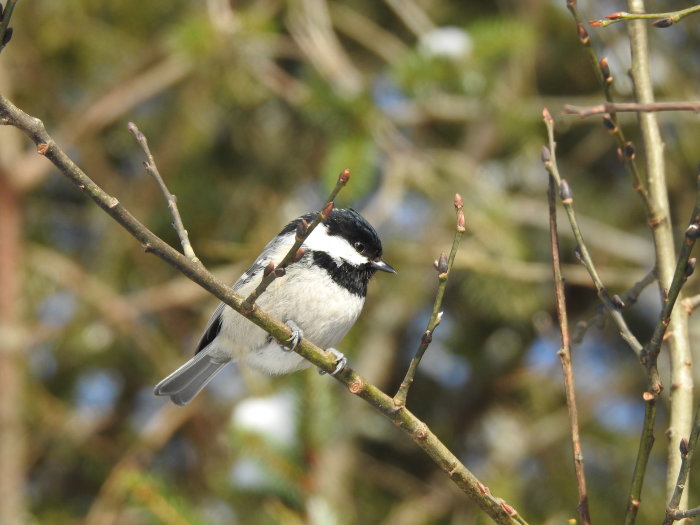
column 295, row 338
column 341, row 361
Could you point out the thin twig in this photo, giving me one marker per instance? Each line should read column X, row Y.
column 682, row 514
column 152, row 168
column 631, row 107
column 443, row 266
column 624, row 300
column 296, row 250
column 565, row 357
column 625, row 147
column 662, row 20
column 566, row 196
column 5, row 29
column 496, row 508
column 687, row 449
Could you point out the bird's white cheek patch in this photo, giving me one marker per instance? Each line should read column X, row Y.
column 334, row 245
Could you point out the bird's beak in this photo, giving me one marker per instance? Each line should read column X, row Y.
column 380, row 265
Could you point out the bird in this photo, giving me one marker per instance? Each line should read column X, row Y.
column 319, row 296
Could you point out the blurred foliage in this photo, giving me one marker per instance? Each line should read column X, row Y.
column 251, row 109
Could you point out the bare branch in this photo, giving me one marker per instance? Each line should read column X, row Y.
column 661, row 20
column 630, row 107
column 152, row 168
column 443, row 266
column 565, row 357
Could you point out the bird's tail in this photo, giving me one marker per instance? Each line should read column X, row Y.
column 188, row 380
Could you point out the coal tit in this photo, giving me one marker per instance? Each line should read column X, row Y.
column 320, row 296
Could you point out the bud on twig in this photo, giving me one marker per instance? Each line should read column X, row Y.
column 683, row 446
column 545, row 155
column 662, row 23
column 690, row 267
column 605, row 70
column 583, row 34
column 616, row 16
column 609, row 124
column 302, row 226
column 441, row 263
column 629, row 150
column 617, row 301
column 565, row 193
column 692, row 233
column 546, row 115
column 300, row 253
column 459, row 206
column 280, row 272
column 326, row 211
column 344, row 176
column 427, row 338
column 268, row 269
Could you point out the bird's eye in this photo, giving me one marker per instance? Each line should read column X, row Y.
column 359, row 247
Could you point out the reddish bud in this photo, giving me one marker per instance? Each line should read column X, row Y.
column 461, row 223
column 300, row 253
column 508, row 509
column 662, row 23
column 326, row 211
column 648, row 396
column 459, row 203
column 268, row 269
column 684, row 447
column 605, row 70
column 616, row 16
column 583, row 34
column 41, row 149
column 592, row 23
column 344, row 176
column 546, row 115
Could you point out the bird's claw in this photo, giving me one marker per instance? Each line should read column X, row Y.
column 295, row 338
column 341, row 361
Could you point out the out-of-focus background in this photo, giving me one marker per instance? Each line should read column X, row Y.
column 252, row 108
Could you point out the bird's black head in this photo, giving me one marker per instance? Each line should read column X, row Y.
column 347, row 247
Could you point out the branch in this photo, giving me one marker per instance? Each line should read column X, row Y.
column 662, row 20
column 687, row 449
column 5, row 29
column 565, row 357
column 496, row 508
column 150, row 165
column 296, row 251
column 567, row 199
column 443, row 266
column 691, row 303
column 633, row 107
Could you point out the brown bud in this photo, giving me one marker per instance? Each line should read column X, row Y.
column 593, row 23
column 326, row 211
column 609, row 124
column 629, row 150
column 545, row 155
column 616, row 16
column 565, row 193
column 662, row 23
column 605, row 70
column 461, row 224
column 690, row 267
column 300, row 253
column 441, row 263
column 280, row 272
column 583, row 34
column 302, row 226
column 683, row 446
column 344, row 176
column 268, row 269
column 426, row 338
column 692, row 232
column 41, row 149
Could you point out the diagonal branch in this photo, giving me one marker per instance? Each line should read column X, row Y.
column 477, row 492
